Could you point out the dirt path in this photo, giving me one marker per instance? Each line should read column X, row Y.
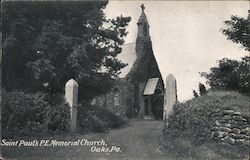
column 138, row 140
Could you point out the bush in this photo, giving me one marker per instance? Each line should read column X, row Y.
column 193, row 118
column 32, row 113
column 191, row 122
column 59, row 118
column 96, row 119
column 24, row 113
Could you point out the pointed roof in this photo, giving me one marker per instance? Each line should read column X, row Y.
column 143, row 16
column 129, row 55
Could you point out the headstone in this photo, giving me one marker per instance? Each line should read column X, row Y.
column 170, row 95
column 71, row 96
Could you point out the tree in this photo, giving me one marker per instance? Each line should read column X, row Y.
column 49, row 42
column 202, row 89
column 230, row 75
column 195, row 94
column 238, row 30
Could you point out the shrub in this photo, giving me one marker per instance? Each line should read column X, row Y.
column 32, row 114
column 193, row 118
column 24, row 113
column 59, row 118
column 96, row 119
column 191, row 122
column 202, row 89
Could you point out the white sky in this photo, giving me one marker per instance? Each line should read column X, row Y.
column 186, row 35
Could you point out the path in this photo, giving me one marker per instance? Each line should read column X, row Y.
column 138, row 140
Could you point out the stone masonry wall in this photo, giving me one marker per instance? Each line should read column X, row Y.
column 120, row 100
column 231, row 128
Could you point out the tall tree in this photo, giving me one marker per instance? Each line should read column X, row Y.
column 230, row 75
column 238, row 30
column 46, row 43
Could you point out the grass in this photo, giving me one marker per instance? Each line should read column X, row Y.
column 230, row 100
column 223, row 100
column 183, row 149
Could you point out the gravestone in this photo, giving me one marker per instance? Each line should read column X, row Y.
column 71, row 96
column 170, row 95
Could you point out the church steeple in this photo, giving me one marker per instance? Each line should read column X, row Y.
column 143, row 26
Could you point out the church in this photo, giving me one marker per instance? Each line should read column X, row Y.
column 139, row 92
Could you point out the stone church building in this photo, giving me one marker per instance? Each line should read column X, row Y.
column 139, row 92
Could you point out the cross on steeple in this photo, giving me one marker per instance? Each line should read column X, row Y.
column 143, row 26
column 142, row 7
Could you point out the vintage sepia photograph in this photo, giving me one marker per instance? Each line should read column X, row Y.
column 125, row 80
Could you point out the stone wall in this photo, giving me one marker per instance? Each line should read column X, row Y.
column 231, row 128
column 120, row 100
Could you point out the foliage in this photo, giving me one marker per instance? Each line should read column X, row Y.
column 95, row 119
column 49, row 42
column 193, row 119
column 23, row 113
column 32, row 113
column 192, row 122
column 230, row 75
column 59, row 117
column 202, row 89
column 238, row 30
column 195, row 94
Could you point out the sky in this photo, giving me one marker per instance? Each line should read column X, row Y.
column 186, row 36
